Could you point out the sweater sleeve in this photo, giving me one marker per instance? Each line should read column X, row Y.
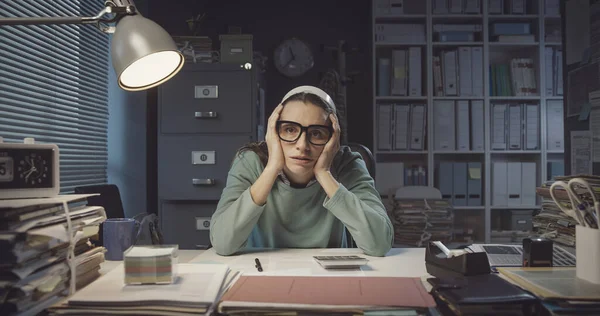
column 236, row 213
column 358, row 206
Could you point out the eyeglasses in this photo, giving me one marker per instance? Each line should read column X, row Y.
column 291, row 131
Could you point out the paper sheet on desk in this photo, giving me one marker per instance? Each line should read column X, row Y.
column 279, row 265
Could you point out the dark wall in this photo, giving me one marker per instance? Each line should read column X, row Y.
column 318, row 22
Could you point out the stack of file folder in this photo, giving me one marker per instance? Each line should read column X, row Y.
column 196, row 290
column 553, row 223
column 418, row 220
column 34, row 245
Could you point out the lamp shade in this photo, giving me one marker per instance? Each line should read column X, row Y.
column 143, row 54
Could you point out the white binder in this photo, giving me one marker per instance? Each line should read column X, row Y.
column 515, row 132
column 399, row 72
column 499, row 184
column 554, row 125
column 559, row 72
column 532, row 127
column 384, row 129
column 444, row 129
column 514, row 183
column 414, row 71
column 465, row 71
column 449, row 71
column 549, row 70
column 499, row 126
column 477, row 139
column 417, row 126
column 401, row 126
column 462, row 125
column 528, row 183
column 477, row 71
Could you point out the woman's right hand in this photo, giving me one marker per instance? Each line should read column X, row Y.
column 276, row 159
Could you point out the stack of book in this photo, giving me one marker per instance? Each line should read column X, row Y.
column 34, row 247
column 417, row 221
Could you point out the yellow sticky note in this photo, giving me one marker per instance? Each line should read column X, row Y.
column 399, row 72
column 475, row 173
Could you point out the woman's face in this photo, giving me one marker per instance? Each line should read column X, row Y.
column 301, row 156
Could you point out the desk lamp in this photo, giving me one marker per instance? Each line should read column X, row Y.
column 143, row 54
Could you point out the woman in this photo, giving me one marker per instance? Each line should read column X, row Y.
column 298, row 189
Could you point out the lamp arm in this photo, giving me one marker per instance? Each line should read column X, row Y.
column 118, row 9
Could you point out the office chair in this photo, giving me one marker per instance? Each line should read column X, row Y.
column 109, row 199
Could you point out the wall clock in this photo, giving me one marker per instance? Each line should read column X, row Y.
column 293, row 57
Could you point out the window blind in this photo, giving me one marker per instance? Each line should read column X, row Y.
column 54, row 86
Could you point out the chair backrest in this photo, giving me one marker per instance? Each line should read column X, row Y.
column 109, row 199
column 367, row 156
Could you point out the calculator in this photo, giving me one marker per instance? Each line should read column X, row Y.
column 341, row 262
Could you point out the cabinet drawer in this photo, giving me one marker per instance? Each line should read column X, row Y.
column 195, row 167
column 186, row 223
column 207, row 102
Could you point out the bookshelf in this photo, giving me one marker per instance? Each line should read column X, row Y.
column 530, row 97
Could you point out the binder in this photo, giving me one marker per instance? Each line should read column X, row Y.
column 401, row 126
column 472, row 6
column 384, row 77
column 474, row 184
column 417, row 127
column 384, row 129
column 531, row 127
column 446, row 179
column 499, row 183
column 529, row 183
column 559, row 72
column 477, row 133
column 550, row 74
column 444, row 129
column 455, row 6
column 449, row 71
column 399, row 81
column 499, row 126
column 440, row 6
column 554, row 125
column 477, row 71
column 514, row 184
column 459, row 192
column 462, row 125
column 465, row 71
column 515, row 132
column 414, row 71
column 495, row 6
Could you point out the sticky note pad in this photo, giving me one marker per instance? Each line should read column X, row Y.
column 474, row 173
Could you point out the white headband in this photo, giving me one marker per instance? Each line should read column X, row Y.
column 314, row 90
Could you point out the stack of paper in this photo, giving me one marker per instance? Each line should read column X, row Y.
column 196, row 289
column 151, row 264
column 34, row 244
column 419, row 220
column 324, row 295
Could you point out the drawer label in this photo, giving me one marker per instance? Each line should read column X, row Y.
column 203, row 157
column 206, row 92
column 202, row 223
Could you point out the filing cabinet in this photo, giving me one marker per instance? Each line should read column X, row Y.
column 205, row 114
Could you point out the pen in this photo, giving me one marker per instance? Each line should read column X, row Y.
column 258, row 266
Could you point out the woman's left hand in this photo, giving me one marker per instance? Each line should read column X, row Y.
column 323, row 164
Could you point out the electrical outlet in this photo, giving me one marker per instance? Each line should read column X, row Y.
column 202, row 223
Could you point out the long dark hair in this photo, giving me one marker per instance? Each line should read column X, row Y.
column 260, row 148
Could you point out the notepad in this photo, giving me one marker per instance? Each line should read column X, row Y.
column 151, row 264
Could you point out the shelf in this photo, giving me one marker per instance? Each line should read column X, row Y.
column 492, row 17
column 553, row 44
column 381, row 44
column 400, row 16
column 398, row 98
column 515, row 152
column 441, row 152
column 460, row 17
column 458, row 98
column 557, row 97
column 401, row 152
column 509, row 98
column 514, row 44
column 555, row 151
column 517, row 207
column 457, row 43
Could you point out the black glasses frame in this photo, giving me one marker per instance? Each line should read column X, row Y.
column 302, row 130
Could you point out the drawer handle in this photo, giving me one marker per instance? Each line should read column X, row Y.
column 203, row 181
column 205, row 114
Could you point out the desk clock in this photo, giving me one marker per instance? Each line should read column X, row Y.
column 28, row 170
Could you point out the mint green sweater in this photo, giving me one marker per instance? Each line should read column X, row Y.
column 301, row 217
